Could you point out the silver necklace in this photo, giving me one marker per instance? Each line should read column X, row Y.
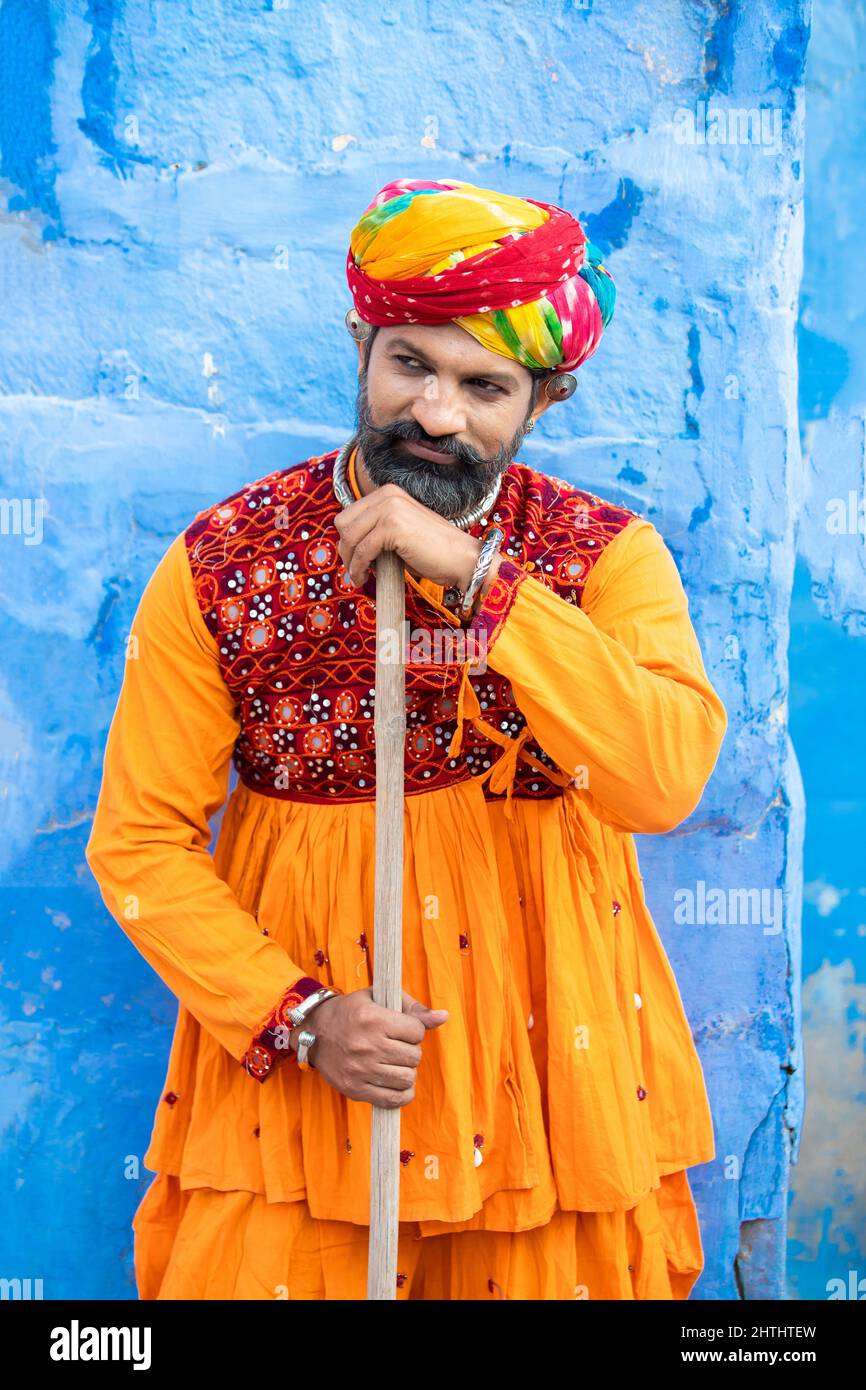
column 344, row 495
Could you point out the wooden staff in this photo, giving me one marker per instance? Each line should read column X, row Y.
column 390, row 732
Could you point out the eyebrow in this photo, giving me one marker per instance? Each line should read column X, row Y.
column 501, row 378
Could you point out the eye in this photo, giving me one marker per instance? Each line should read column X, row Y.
column 488, row 388
column 489, row 385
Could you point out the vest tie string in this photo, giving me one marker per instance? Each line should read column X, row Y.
column 467, row 708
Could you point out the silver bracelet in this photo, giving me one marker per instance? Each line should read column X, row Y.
column 306, row 1006
column 305, row 1042
column 493, row 538
column 299, row 1015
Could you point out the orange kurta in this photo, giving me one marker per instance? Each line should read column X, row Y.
column 564, row 1092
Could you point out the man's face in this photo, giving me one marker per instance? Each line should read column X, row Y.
column 438, row 388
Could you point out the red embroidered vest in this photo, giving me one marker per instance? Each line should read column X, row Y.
column 297, row 641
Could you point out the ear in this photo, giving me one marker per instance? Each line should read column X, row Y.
column 542, row 404
column 362, row 347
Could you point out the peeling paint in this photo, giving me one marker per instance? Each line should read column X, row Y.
column 610, row 227
column 827, row 1219
column 27, row 148
column 719, row 45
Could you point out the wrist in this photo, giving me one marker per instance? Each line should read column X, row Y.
column 473, row 550
column 312, row 1022
column 491, row 574
column 474, row 590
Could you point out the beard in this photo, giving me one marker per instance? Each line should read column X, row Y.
column 447, row 488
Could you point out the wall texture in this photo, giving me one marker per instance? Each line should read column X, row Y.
column 828, row 663
column 180, row 180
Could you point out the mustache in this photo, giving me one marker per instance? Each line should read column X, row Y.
column 408, row 431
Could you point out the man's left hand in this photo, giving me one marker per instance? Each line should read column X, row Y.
column 387, row 518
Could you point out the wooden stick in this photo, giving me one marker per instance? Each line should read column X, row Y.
column 390, row 731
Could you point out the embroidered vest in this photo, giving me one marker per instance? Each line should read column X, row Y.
column 297, row 640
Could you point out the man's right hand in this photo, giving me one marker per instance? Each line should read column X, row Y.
column 367, row 1052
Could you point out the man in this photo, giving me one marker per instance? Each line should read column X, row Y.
column 552, row 1099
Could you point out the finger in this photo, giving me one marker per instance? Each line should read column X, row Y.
column 350, row 538
column 391, row 1078
column 350, row 518
column 377, row 1047
column 385, row 1099
column 431, row 1018
column 402, row 1027
column 414, row 1006
column 357, row 562
column 353, row 525
column 366, row 553
column 396, row 1053
column 378, row 528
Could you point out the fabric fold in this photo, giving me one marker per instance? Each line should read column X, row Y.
column 564, row 1054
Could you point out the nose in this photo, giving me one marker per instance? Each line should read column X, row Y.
column 439, row 411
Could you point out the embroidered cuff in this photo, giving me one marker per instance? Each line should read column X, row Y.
column 271, row 1042
column 490, row 618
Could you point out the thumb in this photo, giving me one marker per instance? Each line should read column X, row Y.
column 431, row 1018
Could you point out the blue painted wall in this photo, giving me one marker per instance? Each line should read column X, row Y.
column 828, row 663
column 180, row 181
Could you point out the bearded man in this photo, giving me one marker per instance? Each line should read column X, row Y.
column 552, row 1097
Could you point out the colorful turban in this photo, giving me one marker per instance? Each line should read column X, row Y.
column 517, row 274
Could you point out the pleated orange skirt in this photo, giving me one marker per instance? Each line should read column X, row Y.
column 199, row 1243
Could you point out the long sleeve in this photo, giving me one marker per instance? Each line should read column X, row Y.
column 165, row 773
column 614, row 691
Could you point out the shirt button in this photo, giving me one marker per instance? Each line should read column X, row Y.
column 641, row 1093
